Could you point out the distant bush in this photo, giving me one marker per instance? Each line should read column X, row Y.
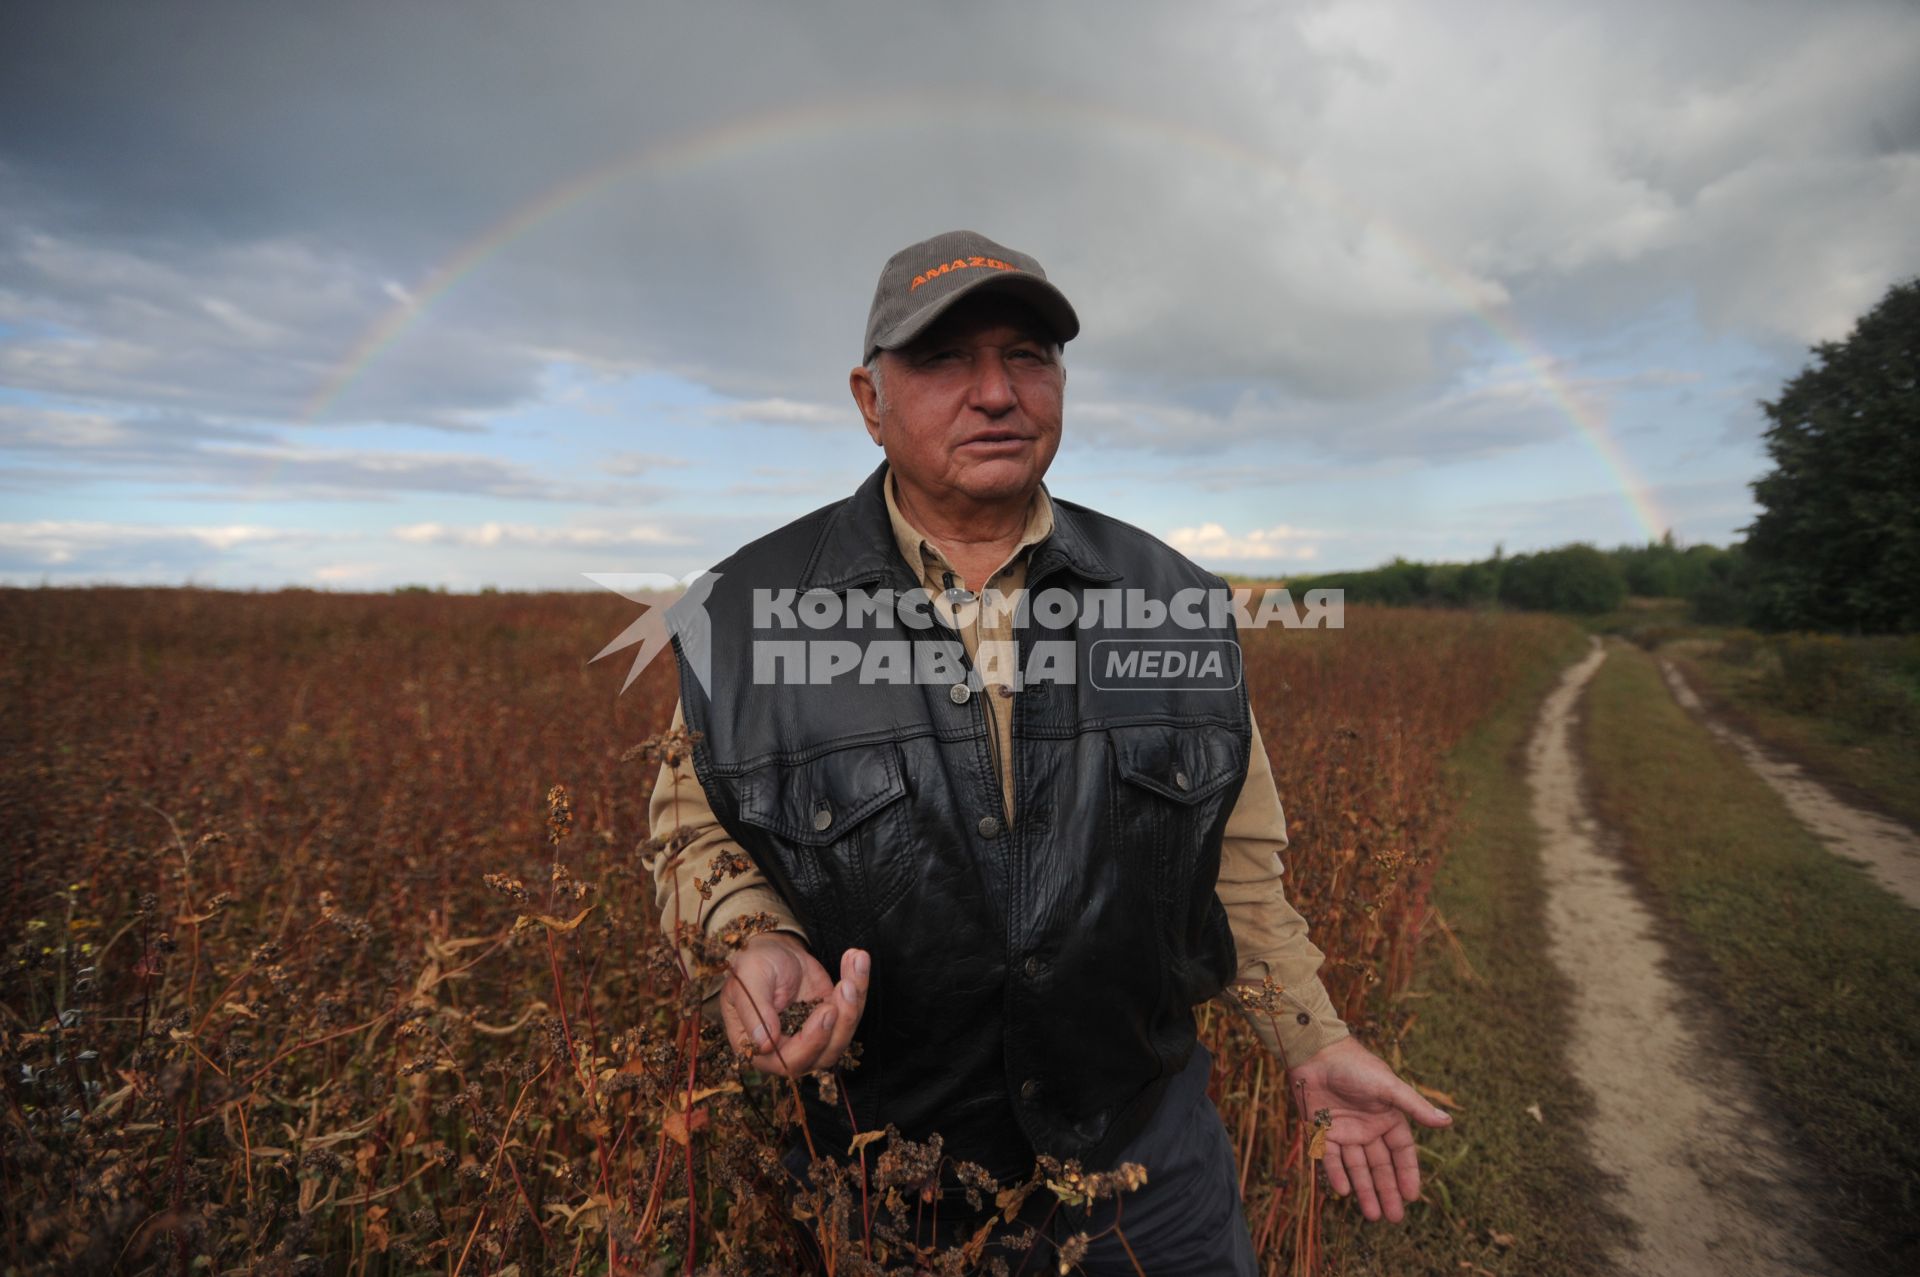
column 1741, row 647
column 1465, row 584
column 1815, row 669
column 1652, row 635
column 1573, row 578
column 1397, row 584
column 1719, row 603
column 1870, row 683
column 1722, row 586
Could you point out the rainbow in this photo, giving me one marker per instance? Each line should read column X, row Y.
column 788, row 126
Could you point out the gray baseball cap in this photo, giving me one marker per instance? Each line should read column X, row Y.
column 920, row 281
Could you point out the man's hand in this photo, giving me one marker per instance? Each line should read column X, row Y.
column 1369, row 1148
column 770, row 973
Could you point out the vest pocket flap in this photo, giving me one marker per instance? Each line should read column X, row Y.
column 819, row 801
column 1185, row 764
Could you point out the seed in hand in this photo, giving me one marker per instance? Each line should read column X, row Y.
column 796, row 1015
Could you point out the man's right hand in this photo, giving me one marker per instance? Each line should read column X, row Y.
column 771, row 972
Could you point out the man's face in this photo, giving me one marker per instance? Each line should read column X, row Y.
column 971, row 408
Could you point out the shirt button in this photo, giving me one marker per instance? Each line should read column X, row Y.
column 1030, row 1089
column 1032, row 967
column 959, row 693
column 1005, row 690
column 822, row 818
column 1303, row 1018
column 989, row 826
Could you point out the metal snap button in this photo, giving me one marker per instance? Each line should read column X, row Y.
column 989, row 826
column 1180, row 781
column 959, row 693
column 1030, row 1089
column 1032, row 967
column 822, row 818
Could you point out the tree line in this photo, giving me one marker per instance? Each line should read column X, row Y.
column 1579, row 578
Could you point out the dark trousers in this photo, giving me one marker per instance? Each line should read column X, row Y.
column 1185, row 1221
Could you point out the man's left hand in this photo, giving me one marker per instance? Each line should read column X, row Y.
column 1369, row 1150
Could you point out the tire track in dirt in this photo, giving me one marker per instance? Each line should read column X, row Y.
column 1677, row 1121
column 1886, row 848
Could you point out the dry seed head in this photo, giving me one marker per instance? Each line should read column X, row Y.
column 565, row 885
column 795, row 1016
column 559, row 814
column 1266, row 998
column 745, row 928
column 508, row 886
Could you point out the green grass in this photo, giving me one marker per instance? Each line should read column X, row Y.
column 1877, row 768
column 1494, row 1041
column 1818, row 966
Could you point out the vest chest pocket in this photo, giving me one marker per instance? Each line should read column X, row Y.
column 840, row 825
column 1171, row 787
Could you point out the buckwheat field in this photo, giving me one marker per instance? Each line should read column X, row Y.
column 331, row 945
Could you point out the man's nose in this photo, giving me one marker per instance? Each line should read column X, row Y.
column 992, row 388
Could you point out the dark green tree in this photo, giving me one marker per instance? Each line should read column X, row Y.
column 1573, row 578
column 1837, row 542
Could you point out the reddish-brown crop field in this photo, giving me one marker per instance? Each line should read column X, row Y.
column 330, row 944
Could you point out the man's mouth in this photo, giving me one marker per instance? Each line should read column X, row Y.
column 997, row 437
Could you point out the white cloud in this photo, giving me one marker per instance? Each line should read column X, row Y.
column 639, row 463
column 43, row 429
column 286, row 328
column 96, row 550
column 57, row 543
column 342, row 573
column 785, row 412
column 90, row 446
column 531, row 535
column 1210, row 542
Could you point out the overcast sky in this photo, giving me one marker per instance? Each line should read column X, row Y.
column 495, row 292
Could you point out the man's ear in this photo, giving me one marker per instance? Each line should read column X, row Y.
column 866, row 396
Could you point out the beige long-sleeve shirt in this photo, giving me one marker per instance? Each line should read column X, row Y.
column 1269, row 934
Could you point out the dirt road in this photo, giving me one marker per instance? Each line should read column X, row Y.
column 1885, row 848
column 1678, row 1121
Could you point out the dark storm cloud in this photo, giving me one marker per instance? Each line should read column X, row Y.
column 257, row 329
column 224, row 207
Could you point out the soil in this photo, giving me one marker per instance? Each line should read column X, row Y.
column 1882, row 846
column 1678, row 1122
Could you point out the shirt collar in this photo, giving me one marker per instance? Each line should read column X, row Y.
column 923, row 556
column 855, row 544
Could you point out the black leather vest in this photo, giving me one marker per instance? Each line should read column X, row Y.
column 1032, row 986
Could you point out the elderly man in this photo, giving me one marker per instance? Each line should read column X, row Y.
column 1025, row 881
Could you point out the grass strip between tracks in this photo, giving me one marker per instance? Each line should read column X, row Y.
column 1506, row 1192
column 1873, row 768
column 1818, row 966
